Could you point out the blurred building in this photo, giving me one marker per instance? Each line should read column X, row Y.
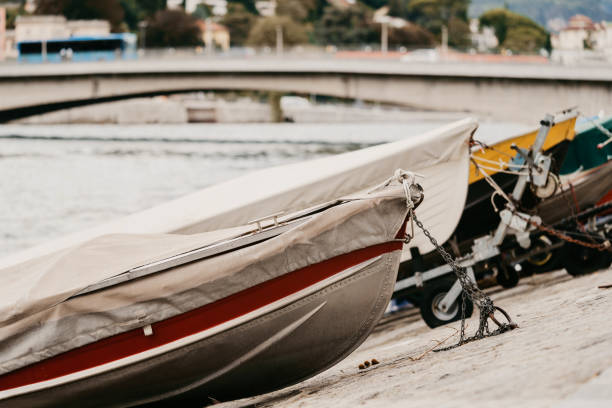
column 10, row 48
column 483, row 38
column 32, row 28
column 2, row 33
column 88, row 27
column 582, row 39
column 30, row 6
column 7, row 37
column 266, row 8
column 214, row 34
column 11, row 4
column 577, row 35
column 217, row 7
column 342, row 4
column 174, row 4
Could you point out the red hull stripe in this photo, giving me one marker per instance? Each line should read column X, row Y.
column 197, row 320
column 606, row 198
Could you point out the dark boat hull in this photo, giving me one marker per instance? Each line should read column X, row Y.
column 479, row 217
column 596, row 184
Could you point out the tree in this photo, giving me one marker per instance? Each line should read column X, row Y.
column 411, row 35
column 350, row 26
column 239, row 22
column 514, row 31
column 264, row 31
column 202, row 12
column 109, row 10
column 249, row 5
column 135, row 11
column 434, row 14
column 525, row 39
column 51, row 6
column 150, row 7
column 12, row 14
column 315, row 9
column 458, row 32
column 398, row 8
column 376, row 4
column 542, row 11
column 131, row 13
column 173, row 28
column 296, row 9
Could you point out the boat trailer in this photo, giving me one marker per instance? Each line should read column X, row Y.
column 517, row 238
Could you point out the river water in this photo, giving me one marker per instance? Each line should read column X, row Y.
column 60, row 179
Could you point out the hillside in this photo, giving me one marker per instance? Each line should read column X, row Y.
column 544, row 11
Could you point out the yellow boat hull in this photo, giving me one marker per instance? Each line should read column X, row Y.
column 502, row 151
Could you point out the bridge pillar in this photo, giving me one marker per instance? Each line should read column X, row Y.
column 276, row 110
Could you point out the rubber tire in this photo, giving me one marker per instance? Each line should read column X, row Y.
column 551, row 264
column 433, row 289
column 580, row 260
column 507, row 277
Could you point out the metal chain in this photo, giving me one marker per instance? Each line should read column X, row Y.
column 471, row 290
column 600, row 247
column 565, row 237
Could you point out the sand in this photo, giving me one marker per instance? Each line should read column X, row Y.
column 560, row 356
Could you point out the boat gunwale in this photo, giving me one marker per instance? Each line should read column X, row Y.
column 372, row 254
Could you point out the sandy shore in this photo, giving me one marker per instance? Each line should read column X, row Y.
column 561, row 356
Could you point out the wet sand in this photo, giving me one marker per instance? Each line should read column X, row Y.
column 561, row 356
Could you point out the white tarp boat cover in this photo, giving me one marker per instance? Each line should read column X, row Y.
column 40, row 316
column 441, row 156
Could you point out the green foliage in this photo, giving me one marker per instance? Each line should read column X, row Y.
column 458, row 32
column 376, row 4
column 11, row 16
column 138, row 10
column 525, row 39
column 131, row 13
column 544, row 10
column 173, row 28
column 350, row 26
column 315, row 9
column 202, row 12
column 514, row 31
column 264, row 31
column 295, row 9
column 239, row 22
column 51, row 6
column 411, row 35
column 434, row 14
column 398, row 8
column 148, row 8
column 110, row 10
column 249, row 5
column 300, row 10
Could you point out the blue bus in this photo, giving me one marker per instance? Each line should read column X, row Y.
column 95, row 48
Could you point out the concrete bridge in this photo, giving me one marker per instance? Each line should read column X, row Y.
column 510, row 91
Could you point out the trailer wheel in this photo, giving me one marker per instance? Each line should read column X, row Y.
column 434, row 293
column 580, row 260
column 543, row 262
column 507, row 277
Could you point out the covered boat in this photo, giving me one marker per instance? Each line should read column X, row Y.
column 441, row 156
column 130, row 319
column 127, row 314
